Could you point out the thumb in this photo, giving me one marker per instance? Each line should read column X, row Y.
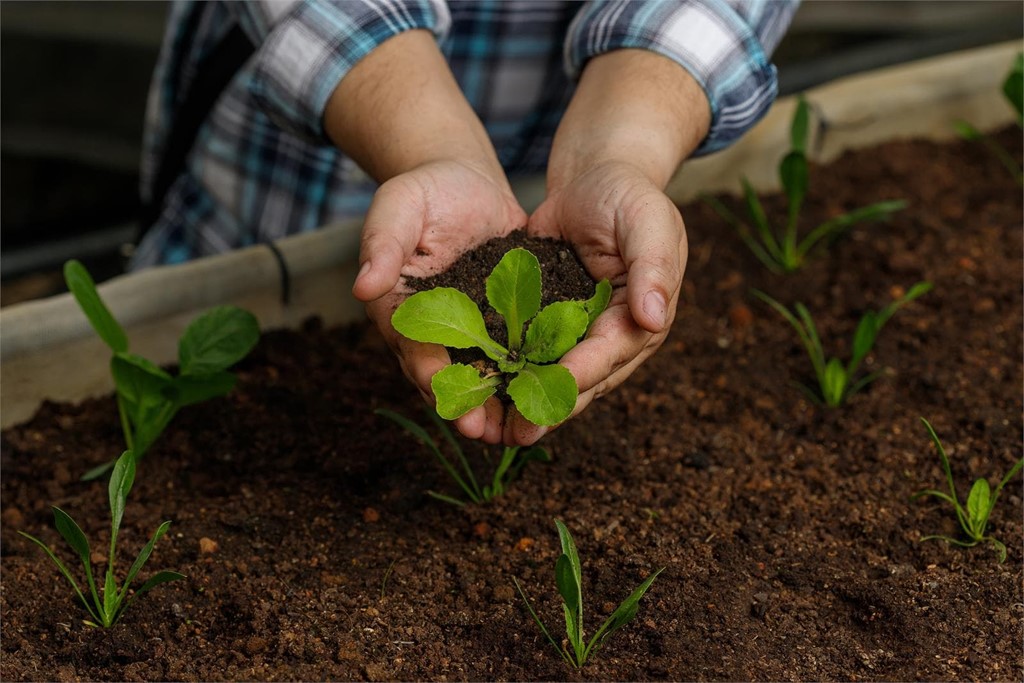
column 654, row 250
column 390, row 234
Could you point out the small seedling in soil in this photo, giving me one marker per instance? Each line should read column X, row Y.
column 973, row 517
column 147, row 396
column 107, row 610
column 1013, row 90
column 568, row 578
column 544, row 392
column 836, row 380
column 513, row 460
column 786, row 252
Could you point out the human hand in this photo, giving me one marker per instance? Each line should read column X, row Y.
column 418, row 224
column 625, row 229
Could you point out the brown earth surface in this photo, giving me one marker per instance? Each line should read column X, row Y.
column 790, row 541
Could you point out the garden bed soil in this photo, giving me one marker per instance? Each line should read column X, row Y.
column 790, row 541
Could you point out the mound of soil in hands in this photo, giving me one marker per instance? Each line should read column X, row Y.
column 791, row 543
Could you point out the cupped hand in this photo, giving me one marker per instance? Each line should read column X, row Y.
column 626, row 229
column 418, row 224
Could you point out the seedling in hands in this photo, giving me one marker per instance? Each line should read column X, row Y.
column 513, row 460
column 836, row 380
column 148, row 397
column 786, row 252
column 974, row 516
column 107, row 610
column 568, row 578
column 544, row 392
column 1013, row 90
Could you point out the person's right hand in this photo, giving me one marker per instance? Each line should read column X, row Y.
column 418, row 224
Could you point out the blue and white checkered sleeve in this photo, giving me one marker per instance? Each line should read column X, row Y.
column 305, row 48
column 723, row 43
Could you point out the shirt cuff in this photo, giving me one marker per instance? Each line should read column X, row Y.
column 709, row 39
column 308, row 52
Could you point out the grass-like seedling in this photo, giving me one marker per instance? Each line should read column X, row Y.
column 513, row 460
column 786, row 252
column 836, row 381
column 543, row 391
column 147, row 396
column 115, row 600
column 973, row 517
column 1013, row 90
column 568, row 578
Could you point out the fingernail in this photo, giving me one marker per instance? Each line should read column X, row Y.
column 655, row 307
column 363, row 269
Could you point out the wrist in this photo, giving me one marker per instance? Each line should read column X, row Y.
column 400, row 108
column 633, row 107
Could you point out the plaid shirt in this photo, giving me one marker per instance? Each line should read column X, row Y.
column 262, row 167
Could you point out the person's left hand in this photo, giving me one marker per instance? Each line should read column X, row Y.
column 626, row 229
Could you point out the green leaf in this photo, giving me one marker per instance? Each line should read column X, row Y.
column 833, row 387
column 445, row 316
column 459, row 388
column 1013, row 87
column 555, row 330
column 72, row 533
column 966, row 130
column 143, row 557
column 62, row 568
column 544, row 394
column 597, row 304
column 217, row 339
column 569, row 589
column 794, row 176
column 121, row 480
column 978, row 507
column 84, row 290
column 543, row 628
column 513, row 290
column 622, row 615
column 799, row 127
column 863, row 340
column 163, row 576
column 139, row 380
column 190, row 389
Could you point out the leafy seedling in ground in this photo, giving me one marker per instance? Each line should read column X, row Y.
column 1013, row 90
column 836, row 381
column 568, row 578
column 544, row 392
column 786, row 252
column 513, row 460
column 107, row 610
column 973, row 517
column 147, row 396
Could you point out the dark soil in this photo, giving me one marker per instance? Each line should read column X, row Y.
column 789, row 536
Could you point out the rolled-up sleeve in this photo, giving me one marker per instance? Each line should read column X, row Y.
column 305, row 47
column 724, row 44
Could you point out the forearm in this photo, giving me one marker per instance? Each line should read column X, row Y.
column 631, row 106
column 400, row 108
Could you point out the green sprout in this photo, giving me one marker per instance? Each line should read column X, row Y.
column 836, row 381
column 107, row 610
column 544, row 392
column 786, row 252
column 1013, row 90
column 973, row 517
column 568, row 578
column 513, row 460
column 147, row 396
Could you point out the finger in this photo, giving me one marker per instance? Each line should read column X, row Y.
column 390, row 236
column 654, row 250
column 472, row 424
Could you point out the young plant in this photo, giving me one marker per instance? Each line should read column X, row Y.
column 115, row 600
column 568, row 578
column 973, row 517
column 544, row 392
column 148, row 397
column 513, row 460
column 1013, row 90
column 786, row 252
column 836, row 380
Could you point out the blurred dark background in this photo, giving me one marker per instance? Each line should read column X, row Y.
column 74, row 78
